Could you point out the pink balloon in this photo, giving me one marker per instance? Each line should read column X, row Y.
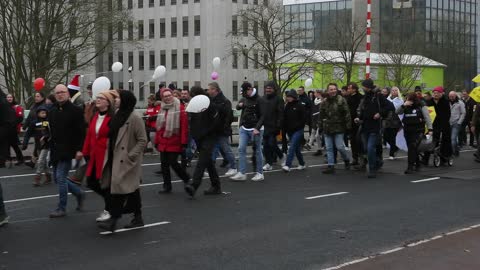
column 214, row 76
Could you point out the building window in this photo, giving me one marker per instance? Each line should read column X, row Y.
column 73, row 61
column 338, row 73
column 185, row 59
column 130, row 30
column 186, row 85
column 140, row 3
column 255, row 2
column 174, row 59
column 185, row 26
column 140, row 30
column 59, row 59
column 130, row 59
column 163, row 58
column 245, row 27
column 162, row 28
column 173, row 2
column 151, row 29
column 265, row 2
column 417, row 74
column 141, row 91
column 174, row 27
column 235, row 91
column 196, row 1
column 120, row 31
column 235, row 58
column 110, row 60
column 197, row 58
column 234, row 26
column 151, row 60
column 197, row 83
column 255, row 60
column 130, row 4
column 141, row 61
column 196, row 26
column 184, row 1
column 120, row 85
column 162, row 3
column 255, row 29
column 152, row 88
column 151, row 3
column 245, row 2
column 120, row 57
column 234, row 1
column 390, row 74
column 373, row 73
column 245, row 61
column 110, row 32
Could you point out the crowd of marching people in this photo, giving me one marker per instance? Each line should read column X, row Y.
column 107, row 138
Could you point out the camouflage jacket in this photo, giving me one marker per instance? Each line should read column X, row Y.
column 334, row 116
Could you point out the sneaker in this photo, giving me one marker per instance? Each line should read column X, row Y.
column 301, row 167
column 318, row 153
column 231, row 172
column 347, row 165
column 104, row 216
column 212, row 191
column 239, row 177
column 258, row 177
column 36, row 180
column 284, row 162
column 190, row 190
column 4, row 220
column 224, row 164
column 329, row 170
column 285, row 168
column 205, row 174
column 136, row 222
column 307, row 147
column 58, row 213
column 48, row 179
column 391, row 157
column 108, row 225
column 267, row 167
column 81, row 201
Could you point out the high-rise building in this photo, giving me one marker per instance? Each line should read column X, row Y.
column 443, row 30
column 184, row 36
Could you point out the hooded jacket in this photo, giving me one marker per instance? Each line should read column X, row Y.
column 252, row 116
column 272, row 106
column 225, row 113
column 294, row 117
column 206, row 124
column 373, row 103
column 442, row 109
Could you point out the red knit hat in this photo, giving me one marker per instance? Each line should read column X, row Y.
column 164, row 90
column 439, row 89
column 74, row 84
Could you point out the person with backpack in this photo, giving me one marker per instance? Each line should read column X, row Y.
column 415, row 118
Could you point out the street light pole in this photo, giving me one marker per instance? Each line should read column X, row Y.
column 369, row 32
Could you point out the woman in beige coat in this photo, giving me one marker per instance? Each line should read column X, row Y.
column 127, row 142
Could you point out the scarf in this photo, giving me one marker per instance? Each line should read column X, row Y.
column 172, row 122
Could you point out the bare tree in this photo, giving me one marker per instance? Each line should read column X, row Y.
column 267, row 33
column 51, row 38
column 345, row 37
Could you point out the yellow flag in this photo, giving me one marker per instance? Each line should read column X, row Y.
column 433, row 114
column 476, row 79
column 475, row 94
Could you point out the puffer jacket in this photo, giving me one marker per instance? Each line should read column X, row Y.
column 334, row 115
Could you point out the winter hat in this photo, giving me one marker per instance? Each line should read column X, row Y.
column 42, row 108
column 292, row 93
column 164, row 90
column 74, row 84
column 439, row 89
column 368, row 83
column 245, row 86
column 418, row 88
column 109, row 95
column 172, row 86
column 271, row 84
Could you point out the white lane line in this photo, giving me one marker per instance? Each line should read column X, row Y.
column 326, row 195
column 421, row 242
column 137, row 228
column 426, row 180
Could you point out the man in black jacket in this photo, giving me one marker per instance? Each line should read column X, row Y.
column 225, row 112
column 441, row 125
column 205, row 128
column 470, row 104
column 293, row 125
column 7, row 123
column 370, row 112
column 67, row 126
column 272, row 106
column 307, row 103
column 354, row 98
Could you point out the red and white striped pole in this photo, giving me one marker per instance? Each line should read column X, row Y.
column 369, row 32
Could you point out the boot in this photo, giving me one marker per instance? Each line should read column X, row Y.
column 108, row 225
column 190, row 190
column 329, row 170
column 48, row 179
column 136, row 222
column 318, row 153
column 212, row 191
column 409, row 170
column 347, row 165
column 36, row 180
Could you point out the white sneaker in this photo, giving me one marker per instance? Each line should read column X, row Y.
column 104, row 216
column 231, row 172
column 285, row 168
column 284, row 160
column 391, row 158
column 205, row 174
column 267, row 167
column 300, row 167
column 347, row 148
column 258, row 177
column 239, row 177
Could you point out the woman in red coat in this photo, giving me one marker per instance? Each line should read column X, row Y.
column 171, row 137
column 13, row 139
column 95, row 148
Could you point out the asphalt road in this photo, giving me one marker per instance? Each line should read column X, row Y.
column 299, row 220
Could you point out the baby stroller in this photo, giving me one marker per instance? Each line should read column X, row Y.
column 428, row 145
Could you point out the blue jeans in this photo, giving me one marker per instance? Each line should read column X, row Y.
column 60, row 174
column 337, row 141
column 295, row 148
column 454, row 138
column 223, row 143
column 244, row 137
column 370, row 141
column 2, row 205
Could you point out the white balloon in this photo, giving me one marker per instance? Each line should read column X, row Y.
column 308, row 82
column 216, row 63
column 160, row 71
column 117, row 67
column 198, row 104
column 100, row 84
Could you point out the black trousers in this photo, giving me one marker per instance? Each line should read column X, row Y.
column 390, row 137
column 4, row 145
column 13, row 142
column 355, row 143
column 413, row 138
column 462, row 136
column 126, row 204
column 94, row 184
column 170, row 160
column 270, row 148
column 442, row 137
column 205, row 162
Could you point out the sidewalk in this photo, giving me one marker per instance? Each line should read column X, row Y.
column 460, row 251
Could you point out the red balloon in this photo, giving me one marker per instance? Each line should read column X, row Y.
column 38, row 84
